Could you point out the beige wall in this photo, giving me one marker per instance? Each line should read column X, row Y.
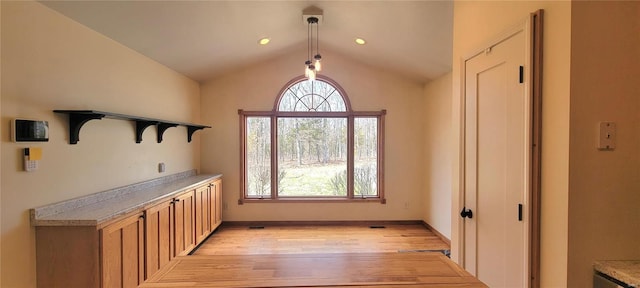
column 50, row 62
column 437, row 154
column 604, row 186
column 257, row 87
column 475, row 23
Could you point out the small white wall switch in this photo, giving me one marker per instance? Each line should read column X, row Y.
column 161, row 167
column 607, row 136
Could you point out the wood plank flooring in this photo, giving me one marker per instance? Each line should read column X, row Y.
column 320, row 239
column 316, row 256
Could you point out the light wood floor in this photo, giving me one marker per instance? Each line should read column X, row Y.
column 241, row 240
column 317, row 256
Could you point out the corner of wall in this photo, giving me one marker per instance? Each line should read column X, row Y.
column 437, row 165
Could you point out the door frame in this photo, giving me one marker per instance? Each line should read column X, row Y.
column 533, row 29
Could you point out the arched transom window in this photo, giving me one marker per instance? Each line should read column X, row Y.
column 310, row 96
column 311, row 146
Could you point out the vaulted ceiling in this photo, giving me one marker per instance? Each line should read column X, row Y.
column 205, row 39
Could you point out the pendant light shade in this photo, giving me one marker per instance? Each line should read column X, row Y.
column 317, row 62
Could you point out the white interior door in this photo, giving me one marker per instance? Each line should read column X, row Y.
column 496, row 164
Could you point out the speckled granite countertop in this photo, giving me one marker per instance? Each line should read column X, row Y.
column 98, row 208
column 627, row 271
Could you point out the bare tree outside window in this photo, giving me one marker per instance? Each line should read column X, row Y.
column 311, row 151
column 258, row 157
column 365, row 172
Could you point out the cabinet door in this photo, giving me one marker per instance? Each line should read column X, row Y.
column 218, row 184
column 212, row 206
column 122, row 253
column 203, row 227
column 183, row 223
column 215, row 216
column 159, row 236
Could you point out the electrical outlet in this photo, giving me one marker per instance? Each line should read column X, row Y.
column 225, row 206
column 161, row 167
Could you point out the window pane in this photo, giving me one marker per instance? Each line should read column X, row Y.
column 258, row 150
column 310, row 96
column 365, row 172
column 312, row 157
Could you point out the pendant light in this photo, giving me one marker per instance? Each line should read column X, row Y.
column 311, row 68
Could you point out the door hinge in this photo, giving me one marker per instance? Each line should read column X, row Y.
column 521, row 74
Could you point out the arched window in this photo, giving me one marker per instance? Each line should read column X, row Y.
column 312, row 96
column 311, row 146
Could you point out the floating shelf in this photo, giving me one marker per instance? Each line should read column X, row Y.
column 77, row 118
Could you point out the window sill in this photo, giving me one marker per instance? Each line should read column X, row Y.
column 312, row 200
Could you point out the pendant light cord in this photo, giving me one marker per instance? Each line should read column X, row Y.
column 309, row 30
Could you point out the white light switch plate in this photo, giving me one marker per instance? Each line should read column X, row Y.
column 607, row 136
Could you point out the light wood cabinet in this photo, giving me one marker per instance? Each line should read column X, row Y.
column 208, row 209
column 215, row 215
column 159, row 232
column 177, row 226
column 202, row 211
column 122, row 252
column 67, row 256
column 90, row 257
column 128, row 250
column 184, row 225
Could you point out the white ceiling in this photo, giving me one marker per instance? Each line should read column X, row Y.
column 204, row 39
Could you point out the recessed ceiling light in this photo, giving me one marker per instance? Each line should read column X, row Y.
column 360, row 41
column 264, row 41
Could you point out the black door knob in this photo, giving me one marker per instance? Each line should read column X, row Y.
column 466, row 213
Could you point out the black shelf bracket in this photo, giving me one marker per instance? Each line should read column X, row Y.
column 75, row 123
column 141, row 125
column 77, row 118
column 163, row 127
column 191, row 130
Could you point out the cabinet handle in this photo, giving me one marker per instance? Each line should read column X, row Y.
column 141, row 216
